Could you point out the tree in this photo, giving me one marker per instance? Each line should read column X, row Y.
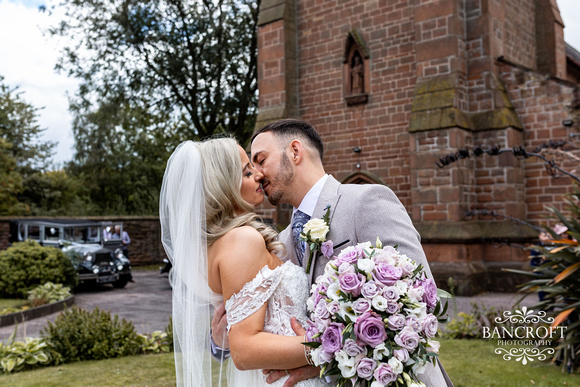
column 10, row 182
column 19, row 128
column 185, row 60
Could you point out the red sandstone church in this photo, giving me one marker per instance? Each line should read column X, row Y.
column 394, row 85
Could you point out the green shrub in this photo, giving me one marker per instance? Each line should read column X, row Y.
column 78, row 334
column 27, row 265
column 20, row 356
column 48, row 293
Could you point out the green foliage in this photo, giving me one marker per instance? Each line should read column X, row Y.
column 78, row 334
column 558, row 280
column 155, row 342
column 10, row 182
column 19, row 127
column 26, row 265
column 20, row 356
column 470, row 325
column 48, row 293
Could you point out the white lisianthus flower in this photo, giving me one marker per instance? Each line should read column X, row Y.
column 401, row 287
column 333, row 291
column 366, row 265
column 420, row 311
column 346, row 364
column 365, row 246
column 377, row 384
column 346, row 310
column 315, row 354
column 379, row 303
column 380, row 351
column 419, row 367
column 318, row 229
column 310, row 304
column 415, row 294
column 433, row 346
column 396, row 365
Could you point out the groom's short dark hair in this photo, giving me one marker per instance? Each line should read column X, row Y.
column 294, row 127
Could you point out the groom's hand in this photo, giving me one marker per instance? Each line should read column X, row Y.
column 296, row 375
column 219, row 325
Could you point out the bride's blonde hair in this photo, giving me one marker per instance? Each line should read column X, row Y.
column 225, row 208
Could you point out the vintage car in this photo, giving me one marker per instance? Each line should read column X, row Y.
column 95, row 252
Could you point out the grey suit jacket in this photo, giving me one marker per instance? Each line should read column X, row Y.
column 360, row 213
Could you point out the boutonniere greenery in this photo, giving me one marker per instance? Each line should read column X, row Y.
column 314, row 234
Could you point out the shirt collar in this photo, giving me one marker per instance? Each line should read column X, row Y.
column 308, row 204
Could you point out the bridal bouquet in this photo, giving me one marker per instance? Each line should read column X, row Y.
column 374, row 315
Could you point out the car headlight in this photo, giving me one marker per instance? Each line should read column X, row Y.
column 119, row 267
column 95, row 269
column 89, row 257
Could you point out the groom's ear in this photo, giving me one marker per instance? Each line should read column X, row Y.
column 297, row 151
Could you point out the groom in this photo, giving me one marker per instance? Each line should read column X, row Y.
column 289, row 154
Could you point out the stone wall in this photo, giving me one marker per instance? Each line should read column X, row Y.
column 144, row 231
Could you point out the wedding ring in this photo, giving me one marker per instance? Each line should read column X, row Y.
column 287, row 373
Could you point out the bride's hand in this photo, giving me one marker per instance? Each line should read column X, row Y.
column 219, row 325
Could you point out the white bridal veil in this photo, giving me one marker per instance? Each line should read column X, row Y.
column 182, row 217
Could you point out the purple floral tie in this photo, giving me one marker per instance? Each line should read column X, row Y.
column 298, row 221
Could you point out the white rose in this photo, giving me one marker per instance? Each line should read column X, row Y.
column 346, row 364
column 419, row 367
column 379, row 303
column 380, row 351
column 318, row 229
column 315, row 354
column 415, row 294
column 366, row 265
column 396, row 365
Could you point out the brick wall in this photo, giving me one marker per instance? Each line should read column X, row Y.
column 145, row 234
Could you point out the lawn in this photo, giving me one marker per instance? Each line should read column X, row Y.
column 470, row 363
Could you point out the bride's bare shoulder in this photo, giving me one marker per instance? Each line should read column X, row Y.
column 239, row 254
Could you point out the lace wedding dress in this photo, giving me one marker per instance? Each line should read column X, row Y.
column 285, row 289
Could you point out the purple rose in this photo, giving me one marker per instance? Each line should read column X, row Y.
column 414, row 323
column 332, row 338
column 365, row 368
column 320, row 310
column 349, row 255
column 396, row 322
column 407, row 268
column 430, row 293
column 429, row 325
column 401, row 354
column 312, row 331
column 392, row 307
column 327, row 248
column 391, row 293
column 369, row 289
column 333, row 307
column 384, row 374
column 387, row 274
column 370, row 329
column 361, row 305
column 352, row 349
column 351, row 283
column 407, row 338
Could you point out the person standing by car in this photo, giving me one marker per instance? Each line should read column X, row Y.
column 125, row 240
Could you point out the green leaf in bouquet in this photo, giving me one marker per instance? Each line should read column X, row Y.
column 312, row 246
column 443, row 294
column 312, row 344
column 418, row 270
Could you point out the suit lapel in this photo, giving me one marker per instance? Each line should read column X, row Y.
column 328, row 196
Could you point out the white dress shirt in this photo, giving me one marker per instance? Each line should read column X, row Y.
column 308, row 204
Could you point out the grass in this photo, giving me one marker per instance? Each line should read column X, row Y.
column 11, row 303
column 469, row 363
column 473, row 363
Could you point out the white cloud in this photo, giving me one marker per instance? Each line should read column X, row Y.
column 27, row 60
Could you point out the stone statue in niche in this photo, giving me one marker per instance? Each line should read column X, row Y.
column 357, row 75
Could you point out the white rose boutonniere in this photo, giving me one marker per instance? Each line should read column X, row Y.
column 314, row 233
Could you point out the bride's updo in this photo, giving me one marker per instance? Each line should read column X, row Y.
column 225, row 208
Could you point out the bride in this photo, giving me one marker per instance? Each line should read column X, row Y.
column 220, row 251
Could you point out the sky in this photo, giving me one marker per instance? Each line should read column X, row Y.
column 28, row 57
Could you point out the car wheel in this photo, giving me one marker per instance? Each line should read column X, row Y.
column 170, row 277
column 120, row 283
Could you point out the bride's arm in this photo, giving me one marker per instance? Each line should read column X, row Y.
column 250, row 347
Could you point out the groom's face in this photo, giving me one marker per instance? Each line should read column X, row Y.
column 271, row 160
